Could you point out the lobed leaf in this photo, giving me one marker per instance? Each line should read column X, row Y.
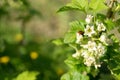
column 80, row 5
column 71, row 62
column 27, row 75
column 74, row 75
column 77, row 26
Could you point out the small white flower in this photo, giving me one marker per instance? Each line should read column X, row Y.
column 89, row 61
column 97, row 22
column 103, row 38
column 76, row 55
column 97, row 65
column 100, row 50
column 101, row 27
column 79, row 37
column 89, row 30
column 89, row 19
column 85, row 54
column 91, row 46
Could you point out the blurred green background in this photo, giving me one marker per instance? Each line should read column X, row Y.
column 28, row 50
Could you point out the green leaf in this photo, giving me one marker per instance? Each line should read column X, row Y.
column 117, row 23
column 67, row 8
column 27, row 75
column 66, row 77
column 74, row 75
column 76, row 26
column 70, row 37
column 118, row 29
column 78, row 76
column 58, row 42
column 80, row 5
column 77, row 64
column 117, row 76
column 97, row 5
column 71, row 62
column 113, row 54
column 101, row 17
column 114, row 62
column 110, row 24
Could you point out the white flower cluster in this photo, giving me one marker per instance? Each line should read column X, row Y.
column 93, row 42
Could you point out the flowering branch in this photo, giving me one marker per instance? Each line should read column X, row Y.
column 95, row 47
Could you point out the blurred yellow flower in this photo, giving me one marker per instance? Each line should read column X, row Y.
column 18, row 37
column 60, row 71
column 34, row 55
column 4, row 59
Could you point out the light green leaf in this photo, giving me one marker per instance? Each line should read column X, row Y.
column 27, row 75
column 117, row 76
column 74, row 75
column 80, row 5
column 71, row 62
column 97, row 5
column 77, row 64
column 58, row 42
column 66, row 77
column 70, row 37
column 76, row 26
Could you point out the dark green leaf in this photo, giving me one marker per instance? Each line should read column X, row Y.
column 67, row 8
column 119, row 29
column 117, row 22
column 101, row 17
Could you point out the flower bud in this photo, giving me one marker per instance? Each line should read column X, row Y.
column 89, row 19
